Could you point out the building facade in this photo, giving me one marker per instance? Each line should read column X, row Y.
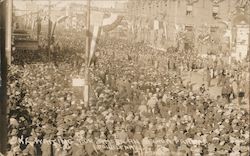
column 162, row 22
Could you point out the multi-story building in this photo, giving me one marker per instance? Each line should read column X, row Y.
column 222, row 20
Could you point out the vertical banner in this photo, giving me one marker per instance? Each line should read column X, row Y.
column 96, row 23
column 67, row 11
column 93, row 42
column 156, row 24
column 165, row 29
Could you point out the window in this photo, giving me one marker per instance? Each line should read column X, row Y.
column 189, row 10
column 213, row 29
column 215, row 11
column 188, row 28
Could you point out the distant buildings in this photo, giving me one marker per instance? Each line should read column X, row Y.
column 222, row 20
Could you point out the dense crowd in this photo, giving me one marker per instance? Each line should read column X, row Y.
column 139, row 105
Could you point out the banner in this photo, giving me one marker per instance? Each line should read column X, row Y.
column 110, row 20
column 93, row 42
column 96, row 18
column 108, row 27
column 77, row 82
column 156, row 24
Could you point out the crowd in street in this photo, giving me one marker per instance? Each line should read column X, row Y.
column 139, row 104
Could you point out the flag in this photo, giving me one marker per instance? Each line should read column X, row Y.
column 95, row 35
column 228, row 33
column 110, row 20
column 61, row 19
column 156, row 24
column 165, row 28
column 96, row 22
column 111, row 23
column 96, row 18
column 100, row 22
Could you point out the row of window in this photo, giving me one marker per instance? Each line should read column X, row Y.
column 213, row 29
column 215, row 11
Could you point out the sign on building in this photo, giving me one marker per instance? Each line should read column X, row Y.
column 242, row 41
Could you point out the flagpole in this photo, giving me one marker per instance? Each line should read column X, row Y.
column 37, row 24
column 8, row 30
column 49, row 28
column 86, row 87
column 3, row 75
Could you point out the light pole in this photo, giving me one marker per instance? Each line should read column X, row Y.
column 4, row 9
column 49, row 28
column 8, row 30
column 86, row 87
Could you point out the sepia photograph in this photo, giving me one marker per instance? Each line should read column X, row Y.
column 124, row 77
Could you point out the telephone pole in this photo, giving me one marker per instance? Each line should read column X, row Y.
column 49, row 28
column 8, row 30
column 3, row 75
column 86, row 87
column 38, row 25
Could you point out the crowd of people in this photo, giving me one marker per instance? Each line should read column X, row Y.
column 139, row 105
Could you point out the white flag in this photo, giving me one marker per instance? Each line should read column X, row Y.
column 93, row 41
column 110, row 20
column 228, row 33
column 156, row 24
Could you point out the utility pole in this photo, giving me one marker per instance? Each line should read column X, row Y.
column 38, row 25
column 175, row 20
column 49, row 28
column 3, row 77
column 8, row 30
column 86, row 87
column 26, row 16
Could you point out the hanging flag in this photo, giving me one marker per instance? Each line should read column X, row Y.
column 110, row 20
column 67, row 11
column 177, row 27
column 165, row 28
column 227, row 33
column 96, row 18
column 93, row 42
column 111, row 23
column 98, row 22
column 61, row 19
column 58, row 21
column 156, row 24
column 33, row 23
